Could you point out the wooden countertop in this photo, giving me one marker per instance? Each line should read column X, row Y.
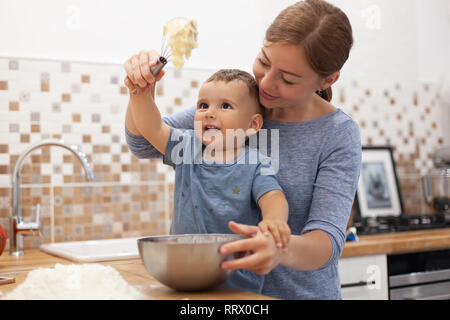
column 398, row 242
column 133, row 271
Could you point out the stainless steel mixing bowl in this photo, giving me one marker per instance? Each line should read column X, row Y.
column 188, row 262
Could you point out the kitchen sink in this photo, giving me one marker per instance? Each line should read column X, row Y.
column 94, row 250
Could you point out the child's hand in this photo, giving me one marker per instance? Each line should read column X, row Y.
column 137, row 68
column 279, row 230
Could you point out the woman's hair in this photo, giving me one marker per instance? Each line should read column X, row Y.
column 228, row 75
column 321, row 29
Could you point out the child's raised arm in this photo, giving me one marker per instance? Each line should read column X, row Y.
column 275, row 211
column 143, row 117
column 147, row 118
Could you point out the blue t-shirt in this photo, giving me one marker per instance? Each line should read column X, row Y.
column 209, row 194
column 319, row 167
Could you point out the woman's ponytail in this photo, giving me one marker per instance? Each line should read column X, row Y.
column 327, row 94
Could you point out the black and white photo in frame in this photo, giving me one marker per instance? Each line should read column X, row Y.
column 378, row 191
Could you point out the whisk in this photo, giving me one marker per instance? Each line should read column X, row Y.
column 163, row 59
column 165, row 50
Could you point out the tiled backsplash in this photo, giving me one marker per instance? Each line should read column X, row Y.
column 85, row 104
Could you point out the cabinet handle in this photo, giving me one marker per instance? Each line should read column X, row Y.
column 358, row 284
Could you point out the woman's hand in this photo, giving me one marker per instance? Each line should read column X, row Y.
column 264, row 255
column 137, row 68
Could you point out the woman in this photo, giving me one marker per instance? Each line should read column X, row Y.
column 319, row 148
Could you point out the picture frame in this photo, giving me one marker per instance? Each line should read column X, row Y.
column 378, row 192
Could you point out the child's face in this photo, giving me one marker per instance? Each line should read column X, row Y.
column 225, row 105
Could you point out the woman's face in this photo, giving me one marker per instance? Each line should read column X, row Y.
column 284, row 76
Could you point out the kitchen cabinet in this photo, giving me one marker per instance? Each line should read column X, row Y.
column 364, row 277
column 371, row 257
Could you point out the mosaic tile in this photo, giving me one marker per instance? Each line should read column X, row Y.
column 24, row 96
column 96, row 118
column 13, row 106
column 76, row 88
column 13, row 65
column 65, row 67
column 85, row 78
column 85, row 104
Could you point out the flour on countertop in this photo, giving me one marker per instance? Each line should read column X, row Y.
column 74, row 282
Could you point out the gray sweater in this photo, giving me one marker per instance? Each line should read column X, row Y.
column 319, row 167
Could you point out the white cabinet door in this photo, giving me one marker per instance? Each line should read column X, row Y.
column 364, row 278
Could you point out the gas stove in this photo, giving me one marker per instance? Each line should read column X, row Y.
column 403, row 222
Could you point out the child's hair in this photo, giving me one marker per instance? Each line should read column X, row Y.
column 228, row 75
column 321, row 29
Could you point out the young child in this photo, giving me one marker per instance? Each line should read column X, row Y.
column 214, row 180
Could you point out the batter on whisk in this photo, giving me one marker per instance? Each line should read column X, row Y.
column 180, row 38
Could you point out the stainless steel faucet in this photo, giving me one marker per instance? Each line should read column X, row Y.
column 19, row 228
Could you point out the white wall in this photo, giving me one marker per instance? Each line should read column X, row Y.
column 433, row 45
column 111, row 31
column 401, row 39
